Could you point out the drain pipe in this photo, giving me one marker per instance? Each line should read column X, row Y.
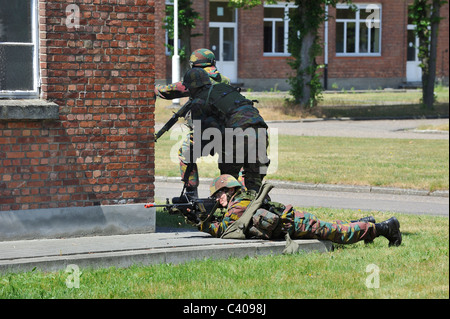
column 325, row 72
column 175, row 57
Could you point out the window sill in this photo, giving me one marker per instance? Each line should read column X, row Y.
column 358, row 55
column 28, row 109
column 276, row 55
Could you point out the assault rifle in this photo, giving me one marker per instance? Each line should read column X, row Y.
column 194, row 209
column 174, row 119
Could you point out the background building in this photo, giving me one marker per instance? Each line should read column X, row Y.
column 251, row 45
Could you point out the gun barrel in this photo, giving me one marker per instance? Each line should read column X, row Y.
column 171, row 122
column 150, row 205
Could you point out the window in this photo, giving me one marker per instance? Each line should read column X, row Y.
column 276, row 29
column 358, row 32
column 18, row 48
column 221, row 12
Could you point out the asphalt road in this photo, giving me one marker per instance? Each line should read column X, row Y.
column 408, row 204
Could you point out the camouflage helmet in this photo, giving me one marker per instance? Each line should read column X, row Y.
column 223, row 181
column 202, row 58
column 196, row 78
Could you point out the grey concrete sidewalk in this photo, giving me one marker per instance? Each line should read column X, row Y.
column 141, row 249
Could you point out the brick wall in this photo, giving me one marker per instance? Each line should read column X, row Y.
column 442, row 49
column 252, row 63
column 161, row 59
column 101, row 150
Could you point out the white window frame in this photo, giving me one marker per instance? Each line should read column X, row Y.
column 286, row 6
column 34, row 93
column 358, row 22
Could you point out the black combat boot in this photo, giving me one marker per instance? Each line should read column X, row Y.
column 391, row 230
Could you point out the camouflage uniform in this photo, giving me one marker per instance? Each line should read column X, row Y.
column 273, row 220
column 241, row 126
column 201, row 58
column 178, row 90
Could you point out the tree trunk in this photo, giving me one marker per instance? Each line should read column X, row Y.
column 185, row 40
column 304, row 36
column 429, row 72
column 305, row 64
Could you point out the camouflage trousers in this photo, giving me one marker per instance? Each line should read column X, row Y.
column 303, row 225
column 249, row 170
column 184, row 155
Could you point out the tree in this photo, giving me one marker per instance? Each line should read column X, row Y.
column 426, row 17
column 304, row 46
column 186, row 23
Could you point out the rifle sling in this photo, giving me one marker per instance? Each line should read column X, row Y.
column 238, row 229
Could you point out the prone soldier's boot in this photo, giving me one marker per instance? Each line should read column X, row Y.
column 391, row 230
column 368, row 219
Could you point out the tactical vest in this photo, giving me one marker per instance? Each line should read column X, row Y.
column 226, row 98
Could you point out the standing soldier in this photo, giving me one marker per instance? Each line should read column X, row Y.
column 243, row 131
column 271, row 220
column 200, row 58
column 203, row 59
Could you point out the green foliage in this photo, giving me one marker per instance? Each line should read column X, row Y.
column 187, row 17
column 306, row 22
column 425, row 16
column 248, row 4
column 419, row 12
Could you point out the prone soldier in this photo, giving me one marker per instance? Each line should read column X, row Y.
column 248, row 216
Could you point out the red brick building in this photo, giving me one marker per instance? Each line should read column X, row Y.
column 77, row 115
column 251, row 45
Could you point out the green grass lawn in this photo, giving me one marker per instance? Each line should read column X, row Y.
column 416, row 164
column 419, row 268
column 369, row 104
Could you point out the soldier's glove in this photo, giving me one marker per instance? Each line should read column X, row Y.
column 191, row 217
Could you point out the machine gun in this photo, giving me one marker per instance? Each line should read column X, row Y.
column 174, row 119
column 194, row 209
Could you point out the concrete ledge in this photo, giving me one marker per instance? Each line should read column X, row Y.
column 76, row 221
column 33, row 109
column 138, row 249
